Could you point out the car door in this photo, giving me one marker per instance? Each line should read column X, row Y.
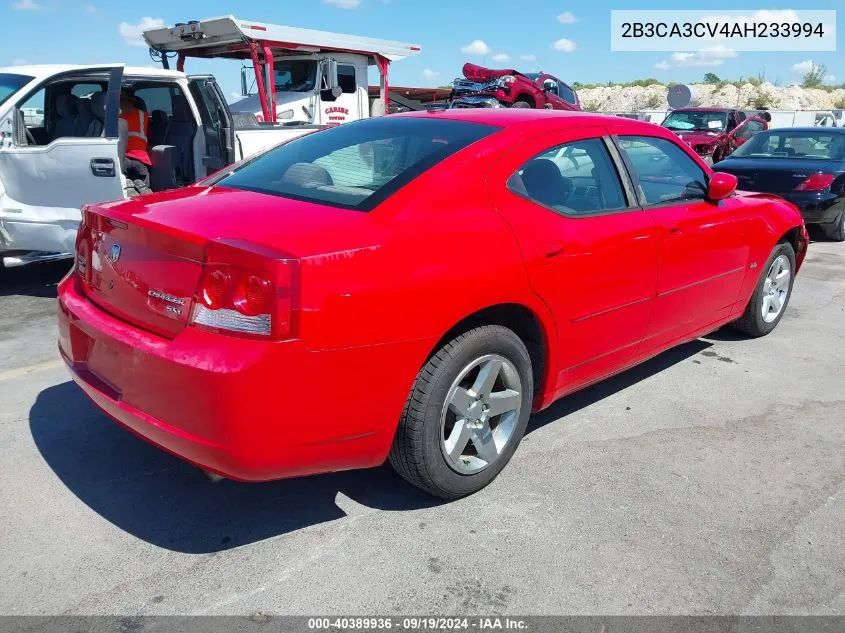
column 744, row 131
column 704, row 249
column 217, row 123
column 590, row 251
column 346, row 106
column 60, row 176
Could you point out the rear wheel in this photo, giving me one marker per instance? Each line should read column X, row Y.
column 771, row 295
column 466, row 413
column 836, row 231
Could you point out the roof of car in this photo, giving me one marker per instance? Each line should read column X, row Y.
column 40, row 71
column 507, row 117
column 808, row 129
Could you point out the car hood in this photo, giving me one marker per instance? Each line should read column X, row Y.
column 698, row 137
column 482, row 74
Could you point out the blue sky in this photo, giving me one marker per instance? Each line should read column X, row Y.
column 450, row 32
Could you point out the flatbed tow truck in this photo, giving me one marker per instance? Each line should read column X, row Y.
column 53, row 165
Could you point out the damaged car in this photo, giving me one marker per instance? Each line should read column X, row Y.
column 508, row 88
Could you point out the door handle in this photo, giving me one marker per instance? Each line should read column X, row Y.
column 675, row 231
column 103, row 167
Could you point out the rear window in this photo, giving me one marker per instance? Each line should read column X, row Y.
column 821, row 145
column 355, row 165
column 10, row 84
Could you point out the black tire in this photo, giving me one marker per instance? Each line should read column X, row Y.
column 522, row 103
column 416, row 453
column 752, row 322
column 836, row 231
column 717, row 156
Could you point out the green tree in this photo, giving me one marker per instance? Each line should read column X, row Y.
column 711, row 78
column 814, row 77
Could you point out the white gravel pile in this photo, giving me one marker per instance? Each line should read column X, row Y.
column 748, row 96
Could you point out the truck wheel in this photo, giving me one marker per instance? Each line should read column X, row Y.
column 771, row 295
column 836, row 231
column 466, row 413
column 717, row 156
column 521, row 103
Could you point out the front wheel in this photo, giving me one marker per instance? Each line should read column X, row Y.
column 466, row 413
column 771, row 295
column 521, row 104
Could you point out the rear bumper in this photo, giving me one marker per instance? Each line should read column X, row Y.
column 816, row 207
column 247, row 410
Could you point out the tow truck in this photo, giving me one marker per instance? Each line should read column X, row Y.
column 52, row 165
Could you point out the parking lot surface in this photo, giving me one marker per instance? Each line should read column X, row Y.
column 708, row 480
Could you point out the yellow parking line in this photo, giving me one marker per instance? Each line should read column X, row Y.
column 32, row 369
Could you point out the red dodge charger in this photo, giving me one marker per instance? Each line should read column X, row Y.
column 411, row 288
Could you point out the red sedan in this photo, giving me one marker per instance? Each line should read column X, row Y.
column 411, row 288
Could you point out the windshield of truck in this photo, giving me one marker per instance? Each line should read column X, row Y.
column 697, row 120
column 355, row 165
column 788, row 144
column 296, row 75
column 10, row 84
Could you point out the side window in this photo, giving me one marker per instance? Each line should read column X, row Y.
column 664, row 171
column 33, row 110
column 346, row 78
column 85, row 90
column 206, row 102
column 157, row 98
column 567, row 94
column 750, row 129
column 576, row 179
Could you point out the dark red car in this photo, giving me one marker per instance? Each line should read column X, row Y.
column 488, row 88
column 411, row 288
column 714, row 133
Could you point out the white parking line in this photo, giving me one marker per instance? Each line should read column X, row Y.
column 32, row 369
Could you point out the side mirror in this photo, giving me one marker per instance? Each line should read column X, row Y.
column 721, row 186
column 548, row 86
column 331, row 75
column 244, row 83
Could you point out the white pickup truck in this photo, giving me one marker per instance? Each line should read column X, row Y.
column 51, row 166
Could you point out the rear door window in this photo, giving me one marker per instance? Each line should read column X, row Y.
column 575, row 179
column 356, row 165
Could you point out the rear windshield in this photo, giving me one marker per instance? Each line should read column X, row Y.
column 355, row 165
column 698, row 120
column 821, row 145
column 10, row 84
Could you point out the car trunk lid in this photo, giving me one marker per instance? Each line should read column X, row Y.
column 775, row 175
column 141, row 259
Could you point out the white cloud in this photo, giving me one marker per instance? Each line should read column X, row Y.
column 567, row 17
column 91, row 9
column 131, row 33
column 19, row 62
column 344, row 4
column 662, row 65
column 501, row 57
column 27, row 5
column 528, row 58
column 430, row 74
column 713, row 56
column 476, row 47
column 565, row 45
column 829, row 78
column 803, row 67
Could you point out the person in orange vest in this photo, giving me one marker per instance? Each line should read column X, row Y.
column 137, row 161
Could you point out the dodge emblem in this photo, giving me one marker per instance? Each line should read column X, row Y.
column 115, row 252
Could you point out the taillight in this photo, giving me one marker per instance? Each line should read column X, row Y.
column 816, row 182
column 246, row 290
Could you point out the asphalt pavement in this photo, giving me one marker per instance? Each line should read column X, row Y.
column 709, row 480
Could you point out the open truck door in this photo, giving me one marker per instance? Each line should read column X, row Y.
column 217, row 123
column 46, row 177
